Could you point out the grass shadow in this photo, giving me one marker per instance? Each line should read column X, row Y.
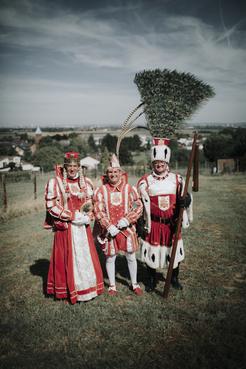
column 41, row 268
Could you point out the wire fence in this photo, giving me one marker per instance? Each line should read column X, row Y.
column 21, row 192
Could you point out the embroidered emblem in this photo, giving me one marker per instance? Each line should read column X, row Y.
column 74, row 188
column 164, row 202
column 115, row 198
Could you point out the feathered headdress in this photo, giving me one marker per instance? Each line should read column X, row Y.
column 168, row 98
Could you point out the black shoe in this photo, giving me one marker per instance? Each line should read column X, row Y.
column 174, row 279
column 175, row 283
column 151, row 286
column 151, row 279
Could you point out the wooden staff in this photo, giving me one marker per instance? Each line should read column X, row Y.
column 179, row 221
column 195, row 184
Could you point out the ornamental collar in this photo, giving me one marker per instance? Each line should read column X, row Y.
column 162, row 176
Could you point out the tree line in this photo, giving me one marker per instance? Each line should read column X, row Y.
column 226, row 143
column 51, row 149
column 229, row 143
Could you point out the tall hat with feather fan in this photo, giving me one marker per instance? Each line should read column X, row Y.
column 168, row 98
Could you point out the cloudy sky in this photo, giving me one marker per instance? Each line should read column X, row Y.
column 73, row 62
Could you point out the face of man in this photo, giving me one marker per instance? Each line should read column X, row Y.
column 159, row 167
column 72, row 169
column 114, row 175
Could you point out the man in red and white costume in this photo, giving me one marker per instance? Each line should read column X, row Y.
column 75, row 272
column 161, row 193
column 117, row 207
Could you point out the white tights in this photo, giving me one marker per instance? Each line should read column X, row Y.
column 132, row 267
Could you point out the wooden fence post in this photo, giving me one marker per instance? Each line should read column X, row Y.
column 35, row 186
column 5, row 199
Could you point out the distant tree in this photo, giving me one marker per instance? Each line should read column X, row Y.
column 174, row 146
column 92, row 144
column 24, row 136
column 8, row 138
column 27, row 154
column 58, row 137
column 227, row 143
column 104, row 159
column 109, row 142
column 132, row 143
column 128, row 145
column 125, row 156
column 228, row 131
column 73, row 135
column 72, row 147
column 52, row 140
column 239, row 142
column 181, row 156
column 218, row 146
column 47, row 157
column 46, row 141
column 8, row 150
column 178, row 154
column 79, row 145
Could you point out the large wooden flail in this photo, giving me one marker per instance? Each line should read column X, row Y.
column 193, row 161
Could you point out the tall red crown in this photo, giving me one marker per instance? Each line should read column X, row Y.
column 160, row 141
column 71, row 156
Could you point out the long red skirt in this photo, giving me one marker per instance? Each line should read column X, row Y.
column 61, row 277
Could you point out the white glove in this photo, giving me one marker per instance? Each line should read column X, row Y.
column 185, row 220
column 81, row 219
column 122, row 223
column 113, row 231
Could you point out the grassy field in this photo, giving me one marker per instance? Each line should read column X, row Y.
column 203, row 326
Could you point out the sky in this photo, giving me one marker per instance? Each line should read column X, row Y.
column 72, row 63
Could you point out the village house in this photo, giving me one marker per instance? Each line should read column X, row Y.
column 5, row 162
column 14, row 162
column 89, row 162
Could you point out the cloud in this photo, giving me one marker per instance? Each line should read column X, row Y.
column 41, row 102
column 91, row 56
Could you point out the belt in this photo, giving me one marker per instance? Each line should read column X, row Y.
column 160, row 219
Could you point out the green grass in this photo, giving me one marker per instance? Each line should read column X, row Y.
column 202, row 326
column 21, row 198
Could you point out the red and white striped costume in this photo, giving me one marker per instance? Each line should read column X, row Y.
column 111, row 203
column 75, row 271
column 159, row 196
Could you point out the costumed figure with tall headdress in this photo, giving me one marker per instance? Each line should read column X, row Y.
column 117, row 207
column 161, row 193
column 75, row 272
column 167, row 99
